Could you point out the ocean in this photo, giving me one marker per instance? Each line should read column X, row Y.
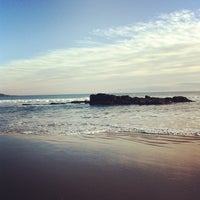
column 34, row 115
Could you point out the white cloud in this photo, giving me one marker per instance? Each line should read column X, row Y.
column 162, row 52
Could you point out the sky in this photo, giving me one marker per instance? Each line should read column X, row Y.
column 91, row 46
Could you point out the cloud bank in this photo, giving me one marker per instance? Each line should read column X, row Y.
column 159, row 55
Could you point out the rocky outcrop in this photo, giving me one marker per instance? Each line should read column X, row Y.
column 80, row 102
column 3, row 95
column 110, row 100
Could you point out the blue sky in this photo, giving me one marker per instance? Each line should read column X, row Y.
column 86, row 46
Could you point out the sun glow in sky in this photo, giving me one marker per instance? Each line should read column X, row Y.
column 86, row 46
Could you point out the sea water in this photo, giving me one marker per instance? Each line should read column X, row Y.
column 36, row 115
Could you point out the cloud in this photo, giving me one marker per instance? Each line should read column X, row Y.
column 166, row 23
column 162, row 53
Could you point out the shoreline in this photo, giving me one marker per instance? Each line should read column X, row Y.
column 74, row 167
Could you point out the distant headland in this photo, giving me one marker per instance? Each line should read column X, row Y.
column 3, row 95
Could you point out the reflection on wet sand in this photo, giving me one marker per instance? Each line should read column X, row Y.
column 105, row 167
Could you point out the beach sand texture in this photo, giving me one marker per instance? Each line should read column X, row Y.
column 99, row 168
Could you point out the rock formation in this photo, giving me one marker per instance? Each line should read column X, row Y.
column 110, row 100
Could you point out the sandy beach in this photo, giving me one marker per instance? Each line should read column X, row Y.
column 99, row 168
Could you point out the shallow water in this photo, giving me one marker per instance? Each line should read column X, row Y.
column 82, row 119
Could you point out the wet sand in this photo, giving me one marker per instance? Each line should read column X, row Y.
column 103, row 168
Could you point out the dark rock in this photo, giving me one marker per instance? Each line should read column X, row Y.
column 107, row 99
column 79, row 102
column 178, row 99
column 54, row 103
column 102, row 99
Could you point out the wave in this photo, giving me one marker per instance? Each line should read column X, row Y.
column 61, row 129
column 20, row 102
